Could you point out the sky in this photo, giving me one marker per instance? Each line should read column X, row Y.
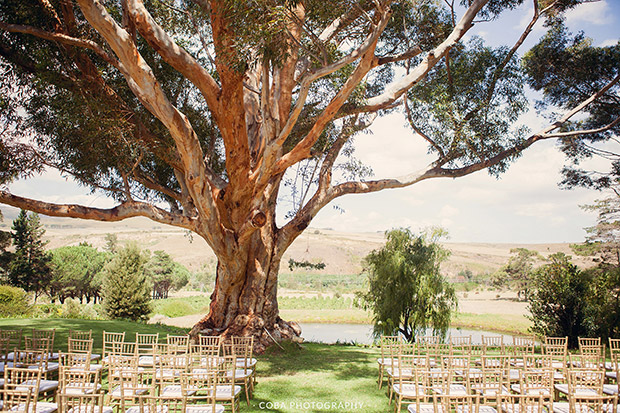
column 525, row 205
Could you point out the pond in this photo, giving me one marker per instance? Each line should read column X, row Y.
column 362, row 333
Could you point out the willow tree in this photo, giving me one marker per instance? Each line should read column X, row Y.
column 195, row 113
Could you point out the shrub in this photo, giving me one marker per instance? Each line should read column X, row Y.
column 126, row 292
column 560, row 299
column 13, row 301
column 73, row 309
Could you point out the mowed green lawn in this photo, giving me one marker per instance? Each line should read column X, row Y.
column 308, row 378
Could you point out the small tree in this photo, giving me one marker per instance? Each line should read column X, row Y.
column 76, row 269
column 560, row 298
column 126, row 292
column 519, row 271
column 30, row 266
column 165, row 274
column 406, row 291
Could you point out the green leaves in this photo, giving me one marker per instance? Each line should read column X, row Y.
column 407, row 292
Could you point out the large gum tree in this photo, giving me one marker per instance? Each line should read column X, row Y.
column 196, row 113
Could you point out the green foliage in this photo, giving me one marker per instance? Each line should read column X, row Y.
column 602, row 241
column 339, row 283
column 179, row 307
column 406, row 291
column 604, row 302
column 111, row 243
column 73, row 309
column 567, row 69
column 126, row 293
column 13, row 301
column 164, row 274
column 77, row 272
column 307, row 265
column 559, row 301
column 30, row 265
column 518, row 272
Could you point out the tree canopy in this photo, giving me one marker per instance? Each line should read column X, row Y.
column 406, row 292
column 196, row 113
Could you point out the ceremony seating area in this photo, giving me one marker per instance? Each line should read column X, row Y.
column 133, row 376
column 494, row 376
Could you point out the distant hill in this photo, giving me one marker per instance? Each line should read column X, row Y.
column 341, row 252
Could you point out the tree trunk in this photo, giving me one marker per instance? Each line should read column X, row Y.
column 244, row 300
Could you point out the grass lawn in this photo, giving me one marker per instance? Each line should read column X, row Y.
column 63, row 326
column 290, row 380
column 500, row 323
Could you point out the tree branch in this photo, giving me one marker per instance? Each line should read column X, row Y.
column 302, row 149
column 397, row 89
column 125, row 210
column 62, row 38
column 176, row 56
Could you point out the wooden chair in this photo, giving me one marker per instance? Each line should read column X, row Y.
column 25, row 380
column 581, row 403
column 46, row 334
column 489, row 384
column 460, row 403
column 582, row 383
column 613, row 375
column 226, row 390
column 243, row 374
column 146, row 348
column 522, row 345
column 125, row 381
column 535, row 382
column 14, row 336
column 524, row 403
column 83, row 403
column 418, row 392
column 38, row 360
column 110, row 341
column 199, row 390
column 74, row 382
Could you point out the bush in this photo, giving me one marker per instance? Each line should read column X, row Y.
column 560, row 300
column 13, row 301
column 126, row 291
column 73, row 309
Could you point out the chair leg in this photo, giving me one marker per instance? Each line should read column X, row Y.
column 380, row 375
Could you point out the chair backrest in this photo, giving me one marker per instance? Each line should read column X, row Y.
column 525, row 403
column 460, row 344
column 595, row 404
column 76, row 382
column 614, row 345
column 585, row 361
column 487, row 381
column 21, row 385
column 110, row 341
column 146, row 343
column 80, row 402
column 586, row 380
column 523, row 345
column 178, row 344
column 32, row 358
column 539, row 381
column 243, row 348
column 14, row 335
column 74, row 360
column 38, row 344
column 155, row 404
column 458, row 363
column 493, row 344
column 555, row 346
column 205, row 380
column 49, row 334
column 469, row 403
column 5, row 349
column 75, row 345
column 80, row 335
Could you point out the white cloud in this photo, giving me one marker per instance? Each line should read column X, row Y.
column 608, row 42
column 596, row 13
column 448, row 211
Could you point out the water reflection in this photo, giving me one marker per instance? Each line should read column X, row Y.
column 362, row 333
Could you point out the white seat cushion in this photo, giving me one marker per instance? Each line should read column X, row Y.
column 175, row 390
column 422, row 408
column 250, row 363
column 146, row 409
column 610, row 389
column 226, row 392
column 129, row 392
column 408, row 390
column 240, row 374
column 204, row 409
column 42, row 407
column 90, row 409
